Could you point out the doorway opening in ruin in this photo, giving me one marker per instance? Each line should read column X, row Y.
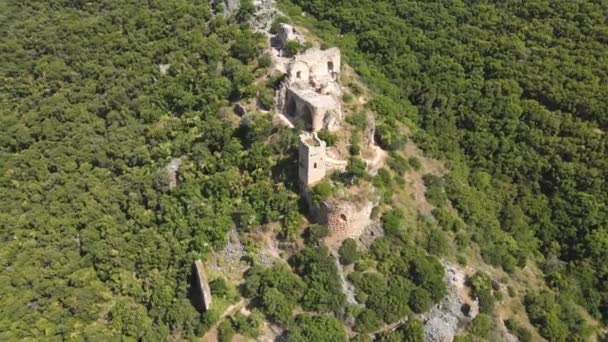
column 306, row 116
column 330, row 66
column 315, row 165
column 299, row 74
column 290, row 107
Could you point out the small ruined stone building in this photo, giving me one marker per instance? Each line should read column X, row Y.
column 286, row 34
column 317, row 111
column 311, row 91
column 312, row 159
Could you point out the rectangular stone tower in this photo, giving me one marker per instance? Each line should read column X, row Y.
column 312, row 159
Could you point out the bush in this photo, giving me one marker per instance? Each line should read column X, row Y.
column 358, row 120
column 276, row 24
column 316, row 233
column 247, row 326
column 316, row 328
column 219, row 288
column 321, row 192
column 420, row 300
column 266, row 98
column 398, row 164
column 393, row 221
column 481, row 325
column 355, row 170
column 265, row 61
column 292, row 48
column 348, row 97
column 355, row 144
column 414, row 163
column 481, row 285
column 413, row 331
column 349, row 252
column 225, row 332
column 327, row 136
column 523, row 334
column 367, row 321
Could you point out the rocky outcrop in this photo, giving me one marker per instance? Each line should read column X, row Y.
column 172, row 168
column 445, row 319
column 225, row 7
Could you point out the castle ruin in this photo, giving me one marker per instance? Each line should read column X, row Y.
column 311, row 91
column 312, row 159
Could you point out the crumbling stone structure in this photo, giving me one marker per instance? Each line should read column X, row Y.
column 312, row 159
column 286, row 34
column 203, row 285
column 316, row 110
column 311, row 91
column 345, row 219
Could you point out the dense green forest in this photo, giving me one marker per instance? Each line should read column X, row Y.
column 94, row 243
column 513, row 95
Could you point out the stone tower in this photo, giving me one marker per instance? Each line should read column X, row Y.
column 312, row 159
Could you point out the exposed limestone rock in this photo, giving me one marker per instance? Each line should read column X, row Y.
column 444, row 320
column 370, row 130
column 370, row 234
column 172, row 169
column 225, row 7
column 265, row 12
column 163, row 68
column 201, row 279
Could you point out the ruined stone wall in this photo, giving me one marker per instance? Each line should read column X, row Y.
column 203, row 285
column 345, row 219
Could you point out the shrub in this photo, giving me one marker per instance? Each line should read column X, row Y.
column 219, row 287
column 413, row 331
column 316, row 328
column 398, row 164
column 265, row 61
column 414, row 163
column 266, row 98
column 367, row 321
column 355, row 144
column 358, row 120
column 327, row 136
column 523, row 334
column 393, row 221
column 225, row 331
column 321, row 192
column 292, row 48
column 317, row 232
column 348, row 97
column 481, row 325
column 349, row 252
column 420, row 300
column 276, row 24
